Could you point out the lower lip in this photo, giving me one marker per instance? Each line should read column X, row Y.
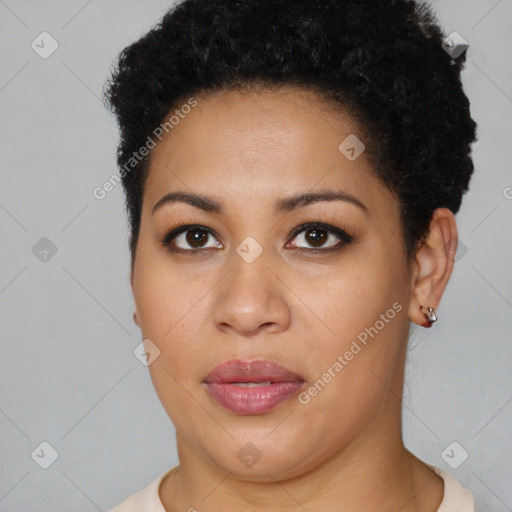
column 255, row 400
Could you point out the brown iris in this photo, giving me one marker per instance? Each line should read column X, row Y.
column 316, row 237
column 196, row 236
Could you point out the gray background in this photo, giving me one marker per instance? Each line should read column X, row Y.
column 68, row 373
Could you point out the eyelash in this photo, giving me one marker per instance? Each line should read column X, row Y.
column 345, row 238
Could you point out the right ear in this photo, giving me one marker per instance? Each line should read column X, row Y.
column 135, row 319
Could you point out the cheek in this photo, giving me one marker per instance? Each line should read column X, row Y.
column 171, row 315
column 362, row 317
column 166, row 297
column 348, row 301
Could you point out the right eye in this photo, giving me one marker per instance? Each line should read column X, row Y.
column 190, row 238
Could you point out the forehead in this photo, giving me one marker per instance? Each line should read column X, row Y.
column 248, row 145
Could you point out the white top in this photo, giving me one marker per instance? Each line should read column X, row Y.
column 456, row 498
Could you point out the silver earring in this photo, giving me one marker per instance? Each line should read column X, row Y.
column 429, row 313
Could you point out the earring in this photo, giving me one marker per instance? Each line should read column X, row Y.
column 429, row 313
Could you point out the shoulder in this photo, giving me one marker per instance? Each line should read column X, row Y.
column 456, row 498
column 146, row 499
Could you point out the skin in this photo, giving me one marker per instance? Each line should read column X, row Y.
column 343, row 450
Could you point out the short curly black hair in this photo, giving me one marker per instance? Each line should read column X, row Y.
column 382, row 61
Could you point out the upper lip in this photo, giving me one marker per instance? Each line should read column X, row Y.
column 256, row 370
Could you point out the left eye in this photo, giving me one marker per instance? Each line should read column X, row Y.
column 317, row 235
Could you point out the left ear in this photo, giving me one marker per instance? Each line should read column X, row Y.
column 433, row 265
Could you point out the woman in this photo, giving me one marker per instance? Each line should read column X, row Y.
column 291, row 171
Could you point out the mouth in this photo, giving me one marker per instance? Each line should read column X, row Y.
column 250, row 387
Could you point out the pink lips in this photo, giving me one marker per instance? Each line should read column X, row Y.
column 252, row 387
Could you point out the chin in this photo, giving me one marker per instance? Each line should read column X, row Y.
column 267, row 460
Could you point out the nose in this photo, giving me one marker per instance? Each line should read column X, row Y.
column 252, row 298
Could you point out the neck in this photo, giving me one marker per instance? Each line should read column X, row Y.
column 374, row 472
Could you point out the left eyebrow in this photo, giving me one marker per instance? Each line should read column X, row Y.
column 284, row 205
column 300, row 200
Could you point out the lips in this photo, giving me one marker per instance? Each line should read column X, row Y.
column 250, row 387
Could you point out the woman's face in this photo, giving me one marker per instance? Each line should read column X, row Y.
column 253, row 290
